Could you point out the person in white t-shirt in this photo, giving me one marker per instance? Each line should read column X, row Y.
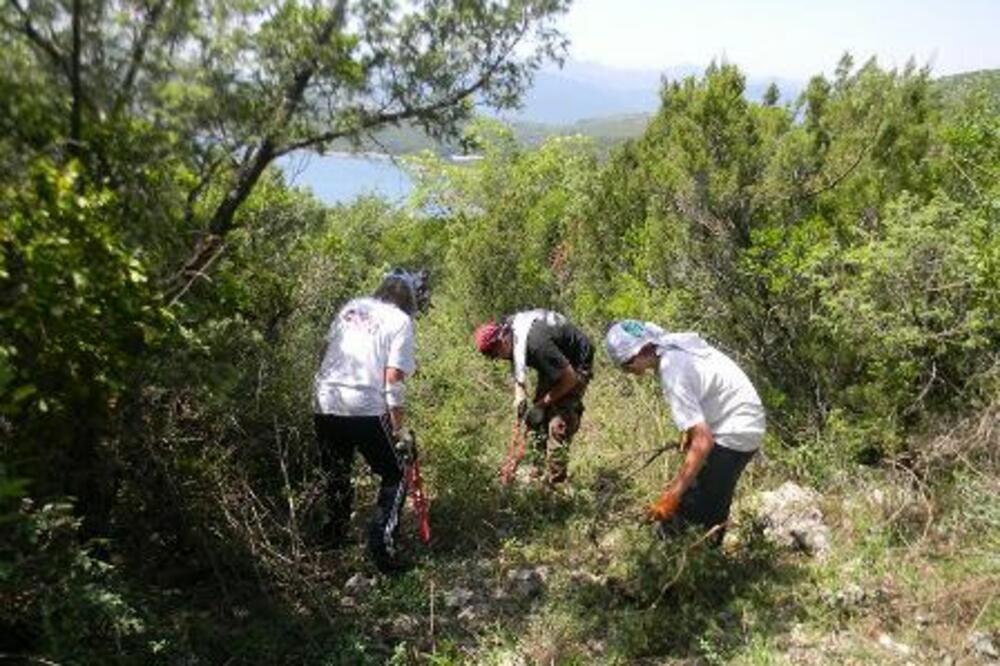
column 713, row 404
column 358, row 402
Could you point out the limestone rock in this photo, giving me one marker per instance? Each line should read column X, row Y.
column 459, row 596
column 792, row 518
column 359, row 584
column 892, row 645
column 529, row 581
column 981, row 644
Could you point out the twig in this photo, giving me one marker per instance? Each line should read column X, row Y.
column 615, row 488
column 923, row 496
column 197, row 273
column 29, row 658
column 829, row 185
column 433, row 646
column 682, row 559
column 982, row 611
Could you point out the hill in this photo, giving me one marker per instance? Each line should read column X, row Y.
column 606, row 131
column 958, row 87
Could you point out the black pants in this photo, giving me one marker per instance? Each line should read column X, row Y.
column 372, row 435
column 706, row 503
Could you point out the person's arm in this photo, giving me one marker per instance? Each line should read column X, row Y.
column 699, row 444
column 520, row 399
column 394, row 390
column 567, row 381
column 399, row 363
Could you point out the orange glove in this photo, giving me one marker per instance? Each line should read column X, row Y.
column 665, row 507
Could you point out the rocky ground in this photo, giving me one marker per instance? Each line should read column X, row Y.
column 802, row 578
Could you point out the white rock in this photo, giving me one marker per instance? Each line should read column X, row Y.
column 528, row 582
column 459, row 596
column 582, row 577
column 981, row 643
column 886, row 641
column 359, row 584
column 792, row 519
column 405, row 624
column 848, row 597
column 511, row 659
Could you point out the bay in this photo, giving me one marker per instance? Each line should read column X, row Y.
column 340, row 178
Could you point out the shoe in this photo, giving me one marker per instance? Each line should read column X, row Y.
column 389, row 565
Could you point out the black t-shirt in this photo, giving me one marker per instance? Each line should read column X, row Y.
column 552, row 348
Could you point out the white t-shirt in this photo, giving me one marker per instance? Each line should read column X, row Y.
column 366, row 337
column 711, row 388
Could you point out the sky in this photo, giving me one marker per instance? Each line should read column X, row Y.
column 785, row 38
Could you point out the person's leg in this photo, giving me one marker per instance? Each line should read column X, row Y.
column 708, row 500
column 378, row 449
column 538, row 436
column 563, row 424
column 537, row 442
column 336, row 449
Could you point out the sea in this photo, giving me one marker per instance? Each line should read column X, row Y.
column 340, row 178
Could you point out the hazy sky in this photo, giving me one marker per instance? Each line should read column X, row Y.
column 789, row 38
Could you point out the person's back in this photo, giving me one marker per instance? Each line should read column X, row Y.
column 724, row 396
column 715, row 407
column 366, row 336
column 562, row 355
column 546, row 338
column 358, row 400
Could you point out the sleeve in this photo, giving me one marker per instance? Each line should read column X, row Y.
column 518, row 361
column 682, row 389
column 401, row 347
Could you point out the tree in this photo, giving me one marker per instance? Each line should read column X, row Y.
column 228, row 88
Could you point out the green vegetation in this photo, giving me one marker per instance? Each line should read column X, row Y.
column 957, row 88
column 605, row 132
column 609, row 131
column 163, row 293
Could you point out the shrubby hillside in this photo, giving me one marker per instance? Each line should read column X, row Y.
column 160, row 494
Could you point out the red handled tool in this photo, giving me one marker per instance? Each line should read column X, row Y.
column 515, row 451
column 406, row 446
column 421, row 505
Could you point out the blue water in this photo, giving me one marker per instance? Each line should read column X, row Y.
column 343, row 178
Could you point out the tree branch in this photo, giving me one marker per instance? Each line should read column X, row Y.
column 76, row 85
column 211, row 245
column 36, row 38
column 138, row 56
column 837, row 180
column 389, row 118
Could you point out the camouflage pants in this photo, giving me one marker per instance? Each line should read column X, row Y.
column 548, row 452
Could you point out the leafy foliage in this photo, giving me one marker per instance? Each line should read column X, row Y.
column 154, row 388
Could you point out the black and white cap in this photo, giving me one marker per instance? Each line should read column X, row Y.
column 417, row 282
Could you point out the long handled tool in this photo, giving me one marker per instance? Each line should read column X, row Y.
column 421, row 505
column 406, row 445
column 515, row 451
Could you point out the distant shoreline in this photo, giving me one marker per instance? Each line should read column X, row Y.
column 389, row 157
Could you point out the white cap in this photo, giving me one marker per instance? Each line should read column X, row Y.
column 626, row 338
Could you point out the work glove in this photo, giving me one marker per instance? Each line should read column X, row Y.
column 406, row 444
column 535, row 417
column 665, row 507
column 520, row 402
